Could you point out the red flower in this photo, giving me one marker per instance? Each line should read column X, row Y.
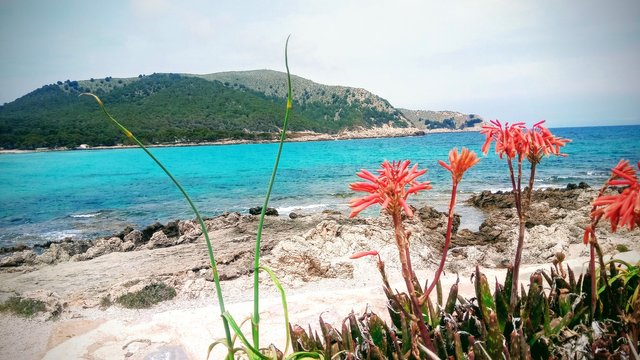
column 459, row 163
column 588, row 234
column 360, row 254
column 540, row 141
column 516, row 139
column 395, row 182
column 622, row 209
column 510, row 139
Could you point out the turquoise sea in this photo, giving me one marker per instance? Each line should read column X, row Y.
column 83, row 194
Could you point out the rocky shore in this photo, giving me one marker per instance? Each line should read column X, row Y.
column 76, row 278
column 360, row 133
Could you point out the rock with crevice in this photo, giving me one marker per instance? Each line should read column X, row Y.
column 19, row 258
column 53, row 254
column 160, row 239
column 148, row 231
column 100, row 247
column 134, row 236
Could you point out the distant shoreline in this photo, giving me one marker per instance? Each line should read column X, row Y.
column 305, row 136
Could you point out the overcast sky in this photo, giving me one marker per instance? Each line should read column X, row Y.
column 570, row 62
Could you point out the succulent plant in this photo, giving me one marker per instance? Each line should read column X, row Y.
column 551, row 321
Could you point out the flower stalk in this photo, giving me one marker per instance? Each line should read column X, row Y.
column 517, row 143
column 459, row 163
column 390, row 189
column 622, row 209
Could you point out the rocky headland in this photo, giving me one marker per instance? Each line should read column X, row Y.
column 76, row 278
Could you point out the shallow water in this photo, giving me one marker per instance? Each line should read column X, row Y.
column 81, row 194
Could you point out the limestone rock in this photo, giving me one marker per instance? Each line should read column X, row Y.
column 150, row 230
column 172, row 229
column 434, row 219
column 160, row 239
column 134, row 236
column 128, row 246
column 101, row 247
column 53, row 254
column 19, row 258
column 189, row 231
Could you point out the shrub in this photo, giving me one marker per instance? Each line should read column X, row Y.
column 22, row 306
column 147, row 297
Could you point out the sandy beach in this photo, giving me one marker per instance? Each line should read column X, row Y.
column 309, row 253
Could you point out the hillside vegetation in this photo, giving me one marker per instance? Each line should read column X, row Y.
column 453, row 120
column 185, row 108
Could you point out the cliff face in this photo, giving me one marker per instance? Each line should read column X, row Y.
column 452, row 120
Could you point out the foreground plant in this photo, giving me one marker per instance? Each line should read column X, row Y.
column 394, row 183
column 622, row 209
column 458, row 164
column 390, row 189
column 552, row 319
column 517, row 143
column 250, row 348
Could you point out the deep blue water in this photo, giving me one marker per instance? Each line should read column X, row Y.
column 52, row 195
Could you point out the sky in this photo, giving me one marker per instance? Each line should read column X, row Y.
column 573, row 63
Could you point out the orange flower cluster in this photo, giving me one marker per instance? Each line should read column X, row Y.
column 394, row 183
column 542, row 142
column 622, row 209
column 459, row 162
column 509, row 139
column 516, row 140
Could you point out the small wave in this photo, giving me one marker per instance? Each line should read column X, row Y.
column 89, row 215
column 502, row 189
column 547, row 186
column 60, row 235
column 288, row 209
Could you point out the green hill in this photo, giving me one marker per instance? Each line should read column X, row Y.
column 171, row 108
column 185, row 108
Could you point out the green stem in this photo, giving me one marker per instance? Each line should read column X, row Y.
column 216, row 278
column 255, row 324
column 447, row 242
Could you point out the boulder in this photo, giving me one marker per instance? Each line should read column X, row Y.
column 160, row 239
column 128, row 246
column 295, row 215
column 172, row 229
column 53, row 254
column 74, row 247
column 124, row 232
column 150, row 230
column 434, row 219
column 12, row 249
column 258, row 210
column 134, row 237
column 19, row 258
column 101, row 247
